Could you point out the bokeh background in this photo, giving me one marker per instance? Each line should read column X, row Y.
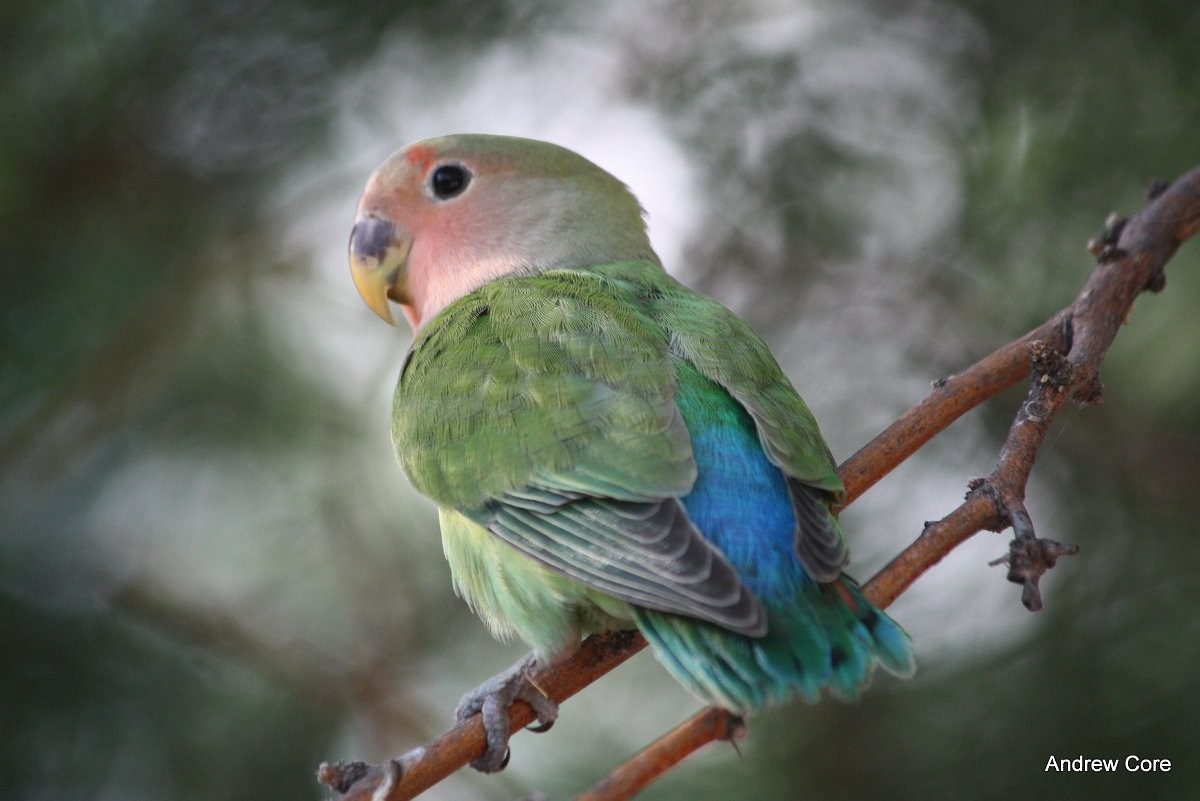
column 213, row 576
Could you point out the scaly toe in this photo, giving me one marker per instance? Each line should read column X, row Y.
column 488, row 763
column 491, row 701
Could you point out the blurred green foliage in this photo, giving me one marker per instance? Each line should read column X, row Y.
column 211, row 575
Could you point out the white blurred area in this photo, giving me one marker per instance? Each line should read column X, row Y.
column 856, row 342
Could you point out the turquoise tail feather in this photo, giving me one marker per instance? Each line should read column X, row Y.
column 816, row 643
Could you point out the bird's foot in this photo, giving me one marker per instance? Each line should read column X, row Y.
column 493, row 698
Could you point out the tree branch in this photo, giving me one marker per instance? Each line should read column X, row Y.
column 710, row 724
column 424, row 766
column 950, row 399
column 1064, row 355
column 1130, row 258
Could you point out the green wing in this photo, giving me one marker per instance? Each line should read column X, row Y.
column 543, row 408
column 726, row 350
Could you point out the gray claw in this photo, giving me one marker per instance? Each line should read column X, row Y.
column 492, row 700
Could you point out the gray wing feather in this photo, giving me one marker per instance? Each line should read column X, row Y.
column 819, row 542
column 645, row 552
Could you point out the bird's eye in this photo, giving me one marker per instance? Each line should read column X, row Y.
column 449, row 180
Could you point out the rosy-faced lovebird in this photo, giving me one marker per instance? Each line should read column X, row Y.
column 606, row 447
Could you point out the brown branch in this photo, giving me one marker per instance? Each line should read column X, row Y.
column 1064, row 355
column 710, row 724
column 425, row 766
column 1131, row 257
column 950, row 399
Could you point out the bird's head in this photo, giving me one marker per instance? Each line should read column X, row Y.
column 442, row 217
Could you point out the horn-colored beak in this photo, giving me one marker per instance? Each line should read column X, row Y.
column 378, row 262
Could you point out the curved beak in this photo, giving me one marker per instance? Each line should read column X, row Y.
column 378, row 261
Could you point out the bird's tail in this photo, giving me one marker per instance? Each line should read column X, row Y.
column 830, row 638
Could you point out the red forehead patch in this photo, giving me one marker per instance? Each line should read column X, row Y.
column 420, row 156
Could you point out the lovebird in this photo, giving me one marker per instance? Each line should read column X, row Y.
column 606, row 447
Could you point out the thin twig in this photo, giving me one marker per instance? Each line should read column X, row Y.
column 1131, row 259
column 950, row 399
column 425, row 766
column 711, row 724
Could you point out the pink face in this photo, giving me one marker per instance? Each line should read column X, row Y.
column 447, row 215
column 443, row 217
